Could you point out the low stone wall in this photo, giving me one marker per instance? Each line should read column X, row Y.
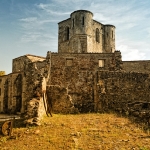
column 126, row 92
column 137, row 66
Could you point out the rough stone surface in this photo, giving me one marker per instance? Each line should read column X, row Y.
column 79, row 76
column 125, row 92
column 11, row 93
column 59, row 100
column 137, row 66
column 36, row 74
column 21, row 63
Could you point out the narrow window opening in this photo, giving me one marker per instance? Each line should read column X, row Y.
column 83, row 21
column 97, row 35
column 101, row 63
column 73, row 23
column 112, row 34
column 67, row 33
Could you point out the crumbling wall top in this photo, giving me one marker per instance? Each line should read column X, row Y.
column 35, row 58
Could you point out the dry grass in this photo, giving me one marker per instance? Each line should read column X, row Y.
column 79, row 132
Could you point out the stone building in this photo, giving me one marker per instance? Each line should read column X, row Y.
column 86, row 75
column 81, row 34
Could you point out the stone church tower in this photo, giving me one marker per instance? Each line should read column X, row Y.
column 81, row 34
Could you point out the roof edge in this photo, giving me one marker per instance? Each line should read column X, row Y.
column 82, row 11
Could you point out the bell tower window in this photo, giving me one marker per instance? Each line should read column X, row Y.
column 67, row 33
column 83, row 21
column 97, row 35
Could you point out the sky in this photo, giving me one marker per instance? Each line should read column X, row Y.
column 31, row 26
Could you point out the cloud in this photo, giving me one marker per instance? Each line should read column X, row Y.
column 49, row 9
column 38, row 29
column 29, row 19
column 37, row 21
column 129, row 53
column 100, row 17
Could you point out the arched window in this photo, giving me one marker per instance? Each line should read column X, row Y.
column 67, row 33
column 83, row 21
column 97, row 35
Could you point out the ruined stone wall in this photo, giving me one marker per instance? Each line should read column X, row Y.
column 11, row 93
column 21, row 63
column 22, row 92
column 33, row 101
column 59, row 100
column 76, row 72
column 126, row 92
column 36, row 78
column 14, row 87
column 2, row 82
column 138, row 66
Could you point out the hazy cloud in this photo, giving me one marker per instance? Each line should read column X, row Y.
column 48, row 9
column 129, row 53
column 30, row 19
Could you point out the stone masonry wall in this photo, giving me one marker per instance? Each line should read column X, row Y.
column 11, row 93
column 137, row 66
column 22, row 92
column 21, row 63
column 59, row 100
column 81, row 33
column 126, row 92
column 77, row 73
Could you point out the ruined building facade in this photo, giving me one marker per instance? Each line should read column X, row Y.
column 86, row 75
